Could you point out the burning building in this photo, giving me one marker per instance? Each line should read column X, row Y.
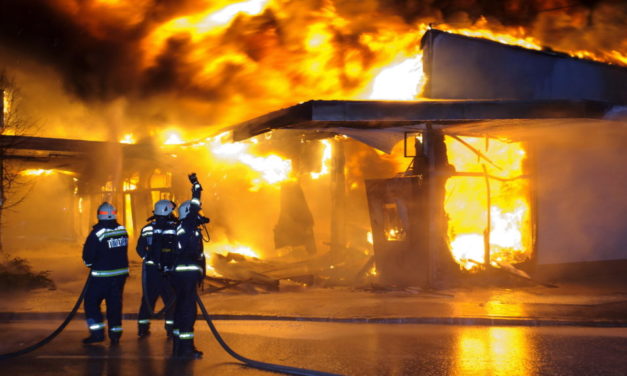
column 499, row 164
column 484, row 173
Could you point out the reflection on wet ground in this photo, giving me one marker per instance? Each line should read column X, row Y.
column 342, row 348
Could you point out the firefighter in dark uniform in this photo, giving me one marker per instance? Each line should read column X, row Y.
column 155, row 246
column 187, row 272
column 105, row 252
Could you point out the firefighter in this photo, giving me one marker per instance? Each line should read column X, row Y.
column 187, row 272
column 105, row 252
column 155, row 246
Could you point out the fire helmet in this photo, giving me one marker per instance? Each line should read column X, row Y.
column 106, row 211
column 164, row 207
column 184, row 209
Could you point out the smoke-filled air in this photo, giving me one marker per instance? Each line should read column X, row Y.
column 107, row 69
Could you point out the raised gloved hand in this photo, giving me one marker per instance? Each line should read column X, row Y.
column 195, row 183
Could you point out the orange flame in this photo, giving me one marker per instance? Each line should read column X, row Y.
column 273, row 168
column 466, row 202
column 326, row 160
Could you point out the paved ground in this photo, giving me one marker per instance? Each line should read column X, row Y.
column 573, row 329
column 596, row 302
column 569, row 304
column 340, row 348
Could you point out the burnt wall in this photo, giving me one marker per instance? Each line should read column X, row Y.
column 460, row 67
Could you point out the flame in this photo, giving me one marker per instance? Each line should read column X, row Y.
column 6, row 104
column 466, row 201
column 399, row 81
column 128, row 139
column 198, row 26
column 273, row 168
column 224, row 248
column 326, row 160
column 130, row 184
column 373, row 271
column 45, row 172
column 173, row 138
column 515, row 36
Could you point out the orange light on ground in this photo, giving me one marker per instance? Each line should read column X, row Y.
column 501, row 351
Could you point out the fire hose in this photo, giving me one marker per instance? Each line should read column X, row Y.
column 255, row 363
column 44, row 341
column 214, row 331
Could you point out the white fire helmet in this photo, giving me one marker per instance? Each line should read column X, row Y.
column 164, row 207
column 184, row 209
column 106, row 211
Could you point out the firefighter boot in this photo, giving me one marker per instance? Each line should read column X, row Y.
column 169, row 329
column 143, row 330
column 175, row 346
column 186, row 350
column 114, row 335
column 95, row 336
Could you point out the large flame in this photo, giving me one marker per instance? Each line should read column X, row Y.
column 272, row 168
column 467, row 200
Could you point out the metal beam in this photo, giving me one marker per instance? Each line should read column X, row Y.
column 385, row 114
column 70, row 146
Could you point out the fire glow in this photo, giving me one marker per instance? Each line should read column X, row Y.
column 273, row 168
column 467, row 199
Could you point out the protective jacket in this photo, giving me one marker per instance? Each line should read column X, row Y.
column 157, row 242
column 188, row 271
column 189, row 253
column 105, row 249
column 105, row 252
column 156, row 246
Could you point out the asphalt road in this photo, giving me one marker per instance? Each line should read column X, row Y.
column 348, row 349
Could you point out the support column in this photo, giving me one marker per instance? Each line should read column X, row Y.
column 437, row 172
column 338, row 197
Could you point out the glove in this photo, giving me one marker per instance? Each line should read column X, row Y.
column 196, row 187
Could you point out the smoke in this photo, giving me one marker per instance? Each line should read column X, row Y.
column 174, row 63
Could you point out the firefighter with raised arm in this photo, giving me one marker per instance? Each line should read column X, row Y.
column 105, row 252
column 187, row 272
column 156, row 246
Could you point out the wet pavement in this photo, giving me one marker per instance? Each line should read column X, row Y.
column 573, row 329
column 340, row 348
column 578, row 305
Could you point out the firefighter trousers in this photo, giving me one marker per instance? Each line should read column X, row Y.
column 155, row 285
column 185, row 311
column 109, row 289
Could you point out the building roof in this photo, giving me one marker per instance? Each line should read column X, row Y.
column 443, row 114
